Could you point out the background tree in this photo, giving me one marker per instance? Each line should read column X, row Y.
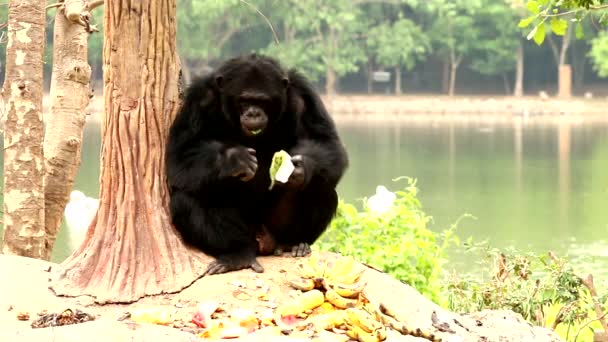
column 397, row 45
column 131, row 250
column 24, row 232
column 332, row 35
column 219, row 22
column 599, row 54
column 454, row 33
column 70, row 92
column 493, row 52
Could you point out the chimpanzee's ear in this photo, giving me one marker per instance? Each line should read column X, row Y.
column 219, row 81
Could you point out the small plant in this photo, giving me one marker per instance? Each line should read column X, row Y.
column 391, row 234
column 544, row 289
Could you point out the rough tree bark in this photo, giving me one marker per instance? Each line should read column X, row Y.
column 70, row 93
column 24, row 232
column 131, row 250
column 518, row 88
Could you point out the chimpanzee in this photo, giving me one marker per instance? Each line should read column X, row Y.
column 218, row 156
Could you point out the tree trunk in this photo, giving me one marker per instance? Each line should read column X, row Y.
column 131, row 249
column 564, row 77
column 453, row 69
column 330, row 82
column 24, row 232
column 518, row 88
column 398, row 80
column 578, row 65
column 70, row 91
column 445, row 81
column 505, row 79
column 370, row 78
column 330, row 73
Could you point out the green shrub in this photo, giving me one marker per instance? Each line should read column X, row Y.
column 396, row 240
column 545, row 289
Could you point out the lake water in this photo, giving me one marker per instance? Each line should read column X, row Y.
column 534, row 183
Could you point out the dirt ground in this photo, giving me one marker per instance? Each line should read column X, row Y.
column 24, row 287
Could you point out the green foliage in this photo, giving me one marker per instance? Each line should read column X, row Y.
column 205, row 27
column 544, row 289
column 396, row 241
column 559, row 15
column 327, row 39
column 599, row 54
column 453, row 32
column 401, row 43
column 493, row 53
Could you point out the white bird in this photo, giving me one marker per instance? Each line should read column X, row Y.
column 381, row 201
column 78, row 214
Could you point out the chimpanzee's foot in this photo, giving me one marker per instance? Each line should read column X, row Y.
column 300, row 250
column 231, row 263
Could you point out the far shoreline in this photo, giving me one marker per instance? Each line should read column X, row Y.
column 382, row 107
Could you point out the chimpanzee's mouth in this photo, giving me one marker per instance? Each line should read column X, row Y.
column 253, row 130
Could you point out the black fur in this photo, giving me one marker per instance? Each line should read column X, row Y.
column 221, row 213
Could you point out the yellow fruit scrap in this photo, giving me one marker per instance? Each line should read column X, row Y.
column 338, row 301
column 306, row 301
column 155, row 315
column 328, row 321
column 349, row 290
column 303, row 284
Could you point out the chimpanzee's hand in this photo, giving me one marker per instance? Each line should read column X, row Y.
column 302, row 172
column 239, row 162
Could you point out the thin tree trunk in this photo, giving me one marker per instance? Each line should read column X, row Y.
column 131, row 249
column 505, row 79
column 398, row 80
column 370, row 78
column 454, row 63
column 518, row 88
column 564, row 78
column 24, row 232
column 453, row 70
column 330, row 82
column 70, row 91
column 330, row 73
column 578, row 65
column 445, row 82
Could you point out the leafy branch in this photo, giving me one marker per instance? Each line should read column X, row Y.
column 559, row 14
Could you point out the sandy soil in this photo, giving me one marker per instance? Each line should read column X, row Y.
column 24, row 288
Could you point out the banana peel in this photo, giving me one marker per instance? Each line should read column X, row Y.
column 340, row 273
column 281, row 168
column 154, row 315
column 329, row 320
column 349, row 290
column 357, row 333
column 306, row 301
column 338, row 301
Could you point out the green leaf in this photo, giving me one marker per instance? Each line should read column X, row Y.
column 558, row 26
column 533, row 7
column 526, row 22
column 580, row 33
column 539, row 36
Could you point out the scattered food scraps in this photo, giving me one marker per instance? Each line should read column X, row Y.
column 23, row 316
column 65, row 317
column 154, row 315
